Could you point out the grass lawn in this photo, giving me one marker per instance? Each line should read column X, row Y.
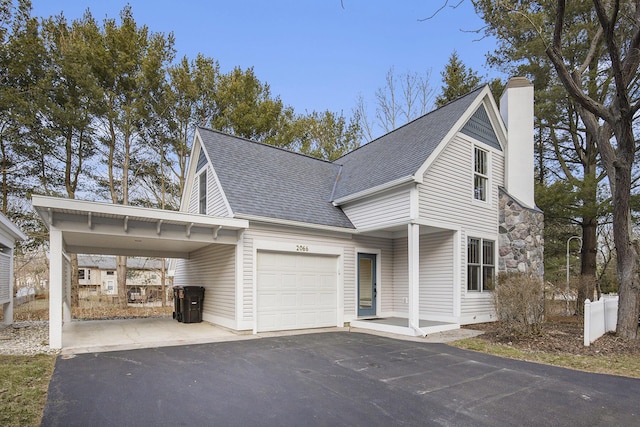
column 23, row 388
column 627, row 365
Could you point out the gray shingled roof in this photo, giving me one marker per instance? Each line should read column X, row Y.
column 266, row 181
column 399, row 153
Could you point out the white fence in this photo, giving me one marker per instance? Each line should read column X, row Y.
column 600, row 317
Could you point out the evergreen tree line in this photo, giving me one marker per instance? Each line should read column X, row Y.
column 104, row 111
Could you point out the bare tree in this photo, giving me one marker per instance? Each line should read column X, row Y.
column 403, row 98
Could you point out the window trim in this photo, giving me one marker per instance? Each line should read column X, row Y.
column 85, row 273
column 486, row 175
column 481, row 265
column 202, row 195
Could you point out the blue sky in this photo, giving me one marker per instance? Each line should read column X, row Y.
column 315, row 54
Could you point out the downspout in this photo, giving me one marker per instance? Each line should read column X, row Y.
column 418, row 330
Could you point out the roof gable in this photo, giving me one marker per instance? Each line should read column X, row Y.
column 479, row 127
column 202, row 161
column 266, row 181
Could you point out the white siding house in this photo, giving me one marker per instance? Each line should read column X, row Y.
column 403, row 234
column 9, row 235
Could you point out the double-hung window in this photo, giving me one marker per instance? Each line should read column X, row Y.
column 202, row 206
column 480, row 174
column 480, row 264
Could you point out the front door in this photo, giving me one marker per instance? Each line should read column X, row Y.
column 366, row 285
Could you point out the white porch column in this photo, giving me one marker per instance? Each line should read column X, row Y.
column 56, row 279
column 414, row 275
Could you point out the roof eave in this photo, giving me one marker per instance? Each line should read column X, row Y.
column 13, row 229
column 479, row 99
column 46, row 204
column 290, row 223
column 377, row 189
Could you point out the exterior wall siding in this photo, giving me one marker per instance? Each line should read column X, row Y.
column 193, row 197
column 447, row 192
column 387, row 208
column 446, row 196
column 215, row 202
column 401, row 275
column 436, row 274
column 5, row 279
column 214, row 268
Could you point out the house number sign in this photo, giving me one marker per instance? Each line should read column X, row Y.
column 302, row 248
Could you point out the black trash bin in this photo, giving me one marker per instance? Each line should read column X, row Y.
column 187, row 305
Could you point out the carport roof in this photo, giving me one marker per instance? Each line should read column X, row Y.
column 104, row 228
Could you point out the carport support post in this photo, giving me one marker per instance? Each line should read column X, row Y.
column 414, row 275
column 56, row 274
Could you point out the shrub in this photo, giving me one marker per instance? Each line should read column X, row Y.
column 519, row 303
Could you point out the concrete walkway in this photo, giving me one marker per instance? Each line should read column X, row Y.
column 96, row 336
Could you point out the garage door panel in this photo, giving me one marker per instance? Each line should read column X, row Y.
column 289, row 280
column 296, row 291
column 327, row 299
column 269, row 280
column 269, row 299
column 309, row 299
column 328, row 282
column 289, row 300
column 308, row 280
column 327, row 316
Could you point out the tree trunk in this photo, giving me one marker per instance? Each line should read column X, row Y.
column 75, row 281
column 121, row 271
column 163, row 282
column 587, row 264
column 627, row 249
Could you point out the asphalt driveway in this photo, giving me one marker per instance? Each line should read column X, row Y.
column 329, row 379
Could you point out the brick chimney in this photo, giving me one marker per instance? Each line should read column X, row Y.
column 516, row 109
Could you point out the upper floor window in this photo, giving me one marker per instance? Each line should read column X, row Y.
column 480, row 264
column 203, row 193
column 480, row 174
column 84, row 274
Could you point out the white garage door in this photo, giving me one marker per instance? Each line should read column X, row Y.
column 296, row 291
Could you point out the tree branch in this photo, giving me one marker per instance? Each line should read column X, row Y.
column 592, row 51
column 554, row 52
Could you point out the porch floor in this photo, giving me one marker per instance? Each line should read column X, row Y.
column 400, row 325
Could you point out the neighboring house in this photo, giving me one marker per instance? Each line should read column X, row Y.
column 405, row 234
column 97, row 275
column 9, row 234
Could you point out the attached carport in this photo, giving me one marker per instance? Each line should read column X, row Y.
column 77, row 226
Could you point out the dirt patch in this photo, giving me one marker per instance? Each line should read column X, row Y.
column 560, row 334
